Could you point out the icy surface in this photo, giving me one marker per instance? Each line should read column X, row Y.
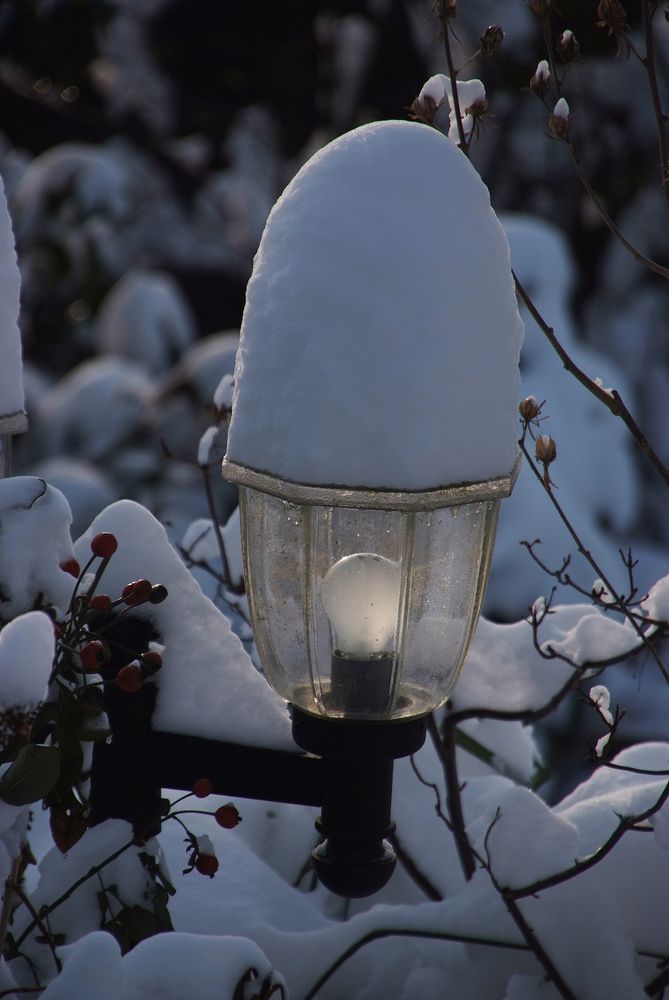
column 368, row 353
column 207, row 685
column 11, row 383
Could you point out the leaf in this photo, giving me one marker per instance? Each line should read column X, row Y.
column 472, row 746
column 134, row 924
column 33, row 775
column 68, row 825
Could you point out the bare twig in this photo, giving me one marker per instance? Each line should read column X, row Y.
column 10, row 882
column 590, row 558
column 445, row 748
column 452, row 72
column 415, row 873
column 648, row 11
column 612, row 400
column 625, row 823
column 400, row 932
column 537, row 948
column 652, row 265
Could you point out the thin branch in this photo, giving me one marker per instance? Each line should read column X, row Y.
column 91, row 873
column 652, row 265
column 39, row 922
column 612, row 400
column 590, row 558
column 416, row 874
column 437, row 794
column 660, row 117
column 537, row 948
column 21, row 989
column 625, row 823
column 446, row 752
column 657, row 986
column 10, row 882
column 452, row 72
column 399, row 932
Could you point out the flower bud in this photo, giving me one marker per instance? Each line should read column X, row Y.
column 491, row 39
column 540, row 7
column 529, row 408
column 612, row 16
column 423, row 110
column 541, row 80
column 558, row 122
column 545, row 450
column 568, row 48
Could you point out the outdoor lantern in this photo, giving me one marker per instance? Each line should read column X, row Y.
column 373, row 434
column 363, row 602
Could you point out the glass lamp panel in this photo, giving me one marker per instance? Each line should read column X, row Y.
column 363, row 613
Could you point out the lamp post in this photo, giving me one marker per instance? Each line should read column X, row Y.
column 372, row 437
column 368, row 526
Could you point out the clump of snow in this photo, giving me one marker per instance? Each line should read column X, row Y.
column 561, row 110
column 97, row 178
column 542, row 73
column 26, row 657
column 94, row 408
column 86, row 487
column 92, row 966
column 206, row 444
column 471, row 98
column 202, row 365
column 527, row 841
column 145, row 318
column 591, row 638
column 599, row 695
column 656, row 604
column 207, row 685
column 12, row 418
column 224, row 392
column 380, row 338
column 34, row 541
column 172, row 966
column 200, row 543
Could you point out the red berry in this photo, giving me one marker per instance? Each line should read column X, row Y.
column 158, row 594
column 129, row 677
column 206, row 864
column 202, row 788
column 101, row 602
column 136, row 592
column 92, row 654
column 152, row 660
column 227, row 816
column 71, row 566
column 104, row 544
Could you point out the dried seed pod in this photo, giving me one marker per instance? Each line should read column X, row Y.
column 491, row 39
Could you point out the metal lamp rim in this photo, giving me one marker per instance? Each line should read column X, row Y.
column 363, row 497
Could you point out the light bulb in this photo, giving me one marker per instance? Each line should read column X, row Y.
column 360, row 595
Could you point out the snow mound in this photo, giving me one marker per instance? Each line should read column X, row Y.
column 380, row 339
column 208, row 685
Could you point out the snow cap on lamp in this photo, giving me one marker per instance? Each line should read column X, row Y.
column 12, row 416
column 380, row 339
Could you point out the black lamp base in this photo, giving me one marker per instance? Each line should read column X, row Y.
column 355, row 859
